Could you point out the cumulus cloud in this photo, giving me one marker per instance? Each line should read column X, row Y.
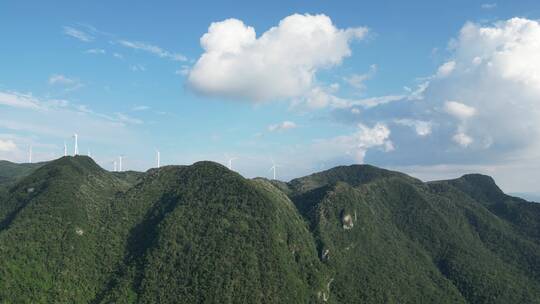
column 7, row 145
column 496, row 79
column 282, row 126
column 422, row 128
column 358, row 143
column 446, row 69
column 462, row 139
column 280, row 63
column 484, row 100
column 459, row 110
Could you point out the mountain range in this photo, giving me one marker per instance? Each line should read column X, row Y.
column 72, row 232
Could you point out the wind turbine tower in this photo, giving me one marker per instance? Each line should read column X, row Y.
column 30, row 154
column 120, row 162
column 230, row 163
column 158, row 158
column 76, row 150
column 114, row 166
column 273, row 168
column 65, row 148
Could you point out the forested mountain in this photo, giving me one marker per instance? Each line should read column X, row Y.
column 71, row 232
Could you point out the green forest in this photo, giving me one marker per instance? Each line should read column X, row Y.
column 72, row 232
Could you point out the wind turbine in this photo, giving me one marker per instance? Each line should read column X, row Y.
column 273, row 168
column 158, row 156
column 65, row 148
column 114, row 165
column 120, row 162
column 76, row 150
column 30, row 154
column 230, row 162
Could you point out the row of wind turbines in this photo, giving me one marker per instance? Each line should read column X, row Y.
column 117, row 166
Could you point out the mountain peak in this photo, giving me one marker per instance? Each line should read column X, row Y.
column 79, row 162
column 481, row 187
column 353, row 175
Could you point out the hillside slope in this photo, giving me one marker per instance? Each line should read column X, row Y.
column 10, row 173
column 73, row 232
column 57, row 236
column 390, row 238
column 209, row 235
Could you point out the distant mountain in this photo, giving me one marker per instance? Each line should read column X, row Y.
column 533, row 197
column 72, row 232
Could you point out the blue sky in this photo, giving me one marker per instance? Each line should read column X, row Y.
column 433, row 89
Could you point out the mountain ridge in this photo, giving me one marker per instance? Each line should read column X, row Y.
column 203, row 233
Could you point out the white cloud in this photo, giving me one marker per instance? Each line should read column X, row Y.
column 153, row 49
column 118, row 55
column 282, row 126
column 422, row 128
column 69, row 84
column 96, row 51
column 375, row 101
column 320, row 97
column 7, row 145
column 418, row 93
column 496, row 79
column 459, row 110
column 358, row 143
column 462, row 139
column 357, row 81
column 61, row 80
column 184, row 70
column 22, row 101
column 19, row 100
column 77, row 34
column 280, row 63
column 446, row 69
column 128, row 119
column 489, row 5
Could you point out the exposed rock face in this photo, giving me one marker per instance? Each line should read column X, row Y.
column 325, row 255
column 347, row 221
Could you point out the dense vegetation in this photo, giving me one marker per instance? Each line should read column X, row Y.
column 71, row 232
column 10, row 173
